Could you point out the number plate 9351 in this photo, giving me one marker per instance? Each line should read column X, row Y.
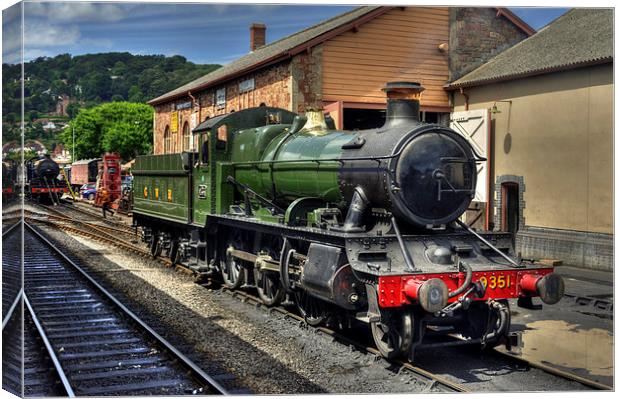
column 497, row 281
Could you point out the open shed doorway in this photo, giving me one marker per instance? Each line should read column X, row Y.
column 366, row 118
column 360, row 119
column 510, row 207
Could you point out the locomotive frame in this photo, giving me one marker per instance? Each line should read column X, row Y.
column 286, row 204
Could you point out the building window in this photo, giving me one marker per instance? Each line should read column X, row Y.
column 220, row 98
column 186, row 137
column 167, row 148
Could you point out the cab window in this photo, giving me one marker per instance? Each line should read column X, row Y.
column 205, row 148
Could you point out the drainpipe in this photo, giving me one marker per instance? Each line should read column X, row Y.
column 194, row 102
column 466, row 98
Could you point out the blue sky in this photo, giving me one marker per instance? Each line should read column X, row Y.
column 203, row 33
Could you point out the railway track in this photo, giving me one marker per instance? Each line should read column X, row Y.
column 92, row 214
column 435, row 380
column 100, row 346
column 442, row 382
column 64, row 211
column 39, row 374
column 62, row 218
column 11, row 271
column 22, row 358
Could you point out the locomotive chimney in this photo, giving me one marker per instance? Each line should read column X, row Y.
column 403, row 103
column 257, row 36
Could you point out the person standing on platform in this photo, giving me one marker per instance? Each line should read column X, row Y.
column 105, row 202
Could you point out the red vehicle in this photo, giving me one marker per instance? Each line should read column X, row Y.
column 83, row 172
column 109, row 177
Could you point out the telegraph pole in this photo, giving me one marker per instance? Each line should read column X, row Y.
column 73, row 149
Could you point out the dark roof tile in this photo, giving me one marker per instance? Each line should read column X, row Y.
column 579, row 37
column 269, row 51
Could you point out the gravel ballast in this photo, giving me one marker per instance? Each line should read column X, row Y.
column 248, row 349
column 256, row 351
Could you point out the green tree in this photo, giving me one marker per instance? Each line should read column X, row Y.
column 119, row 68
column 117, row 98
column 91, row 79
column 10, row 118
column 122, row 127
column 135, row 95
column 73, row 109
column 17, row 155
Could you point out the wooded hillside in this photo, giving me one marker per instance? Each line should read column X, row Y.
column 94, row 78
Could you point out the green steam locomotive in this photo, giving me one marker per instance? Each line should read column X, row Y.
column 353, row 226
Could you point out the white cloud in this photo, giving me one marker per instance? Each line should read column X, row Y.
column 11, row 14
column 12, row 57
column 78, row 12
column 32, row 53
column 38, row 33
column 11, row 36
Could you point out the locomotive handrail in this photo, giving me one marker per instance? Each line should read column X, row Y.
column 478, row 236
column 477, row 158
column 247, row 190
column 403, row 248
column 341, row 160
column 319, row 160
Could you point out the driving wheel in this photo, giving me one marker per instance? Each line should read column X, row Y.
column 393, row 335
column 268, row 286
column 313, row 310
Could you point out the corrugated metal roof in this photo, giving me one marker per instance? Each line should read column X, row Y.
column 268, row 52
column 579, row 37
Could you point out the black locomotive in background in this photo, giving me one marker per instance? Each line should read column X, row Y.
column 43, row 181
column 361, row 225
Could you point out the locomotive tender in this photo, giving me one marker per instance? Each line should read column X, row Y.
column 352, row 225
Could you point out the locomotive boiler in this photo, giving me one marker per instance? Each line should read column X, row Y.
column 354, row 226
column 423, row 174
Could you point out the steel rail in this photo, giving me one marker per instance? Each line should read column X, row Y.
column 65, row 205
column 66, row 218
column 189, row 364
column 8, row 230
column 336, row 336
column 9, row 313
column 560, row 373
column 93, row 214
column 50, row 350
column 102, row 236
column 409, row 366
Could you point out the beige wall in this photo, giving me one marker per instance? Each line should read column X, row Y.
column 558, row 135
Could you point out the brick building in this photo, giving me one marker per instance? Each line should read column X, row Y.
column 340, row 65
column 550, row 102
